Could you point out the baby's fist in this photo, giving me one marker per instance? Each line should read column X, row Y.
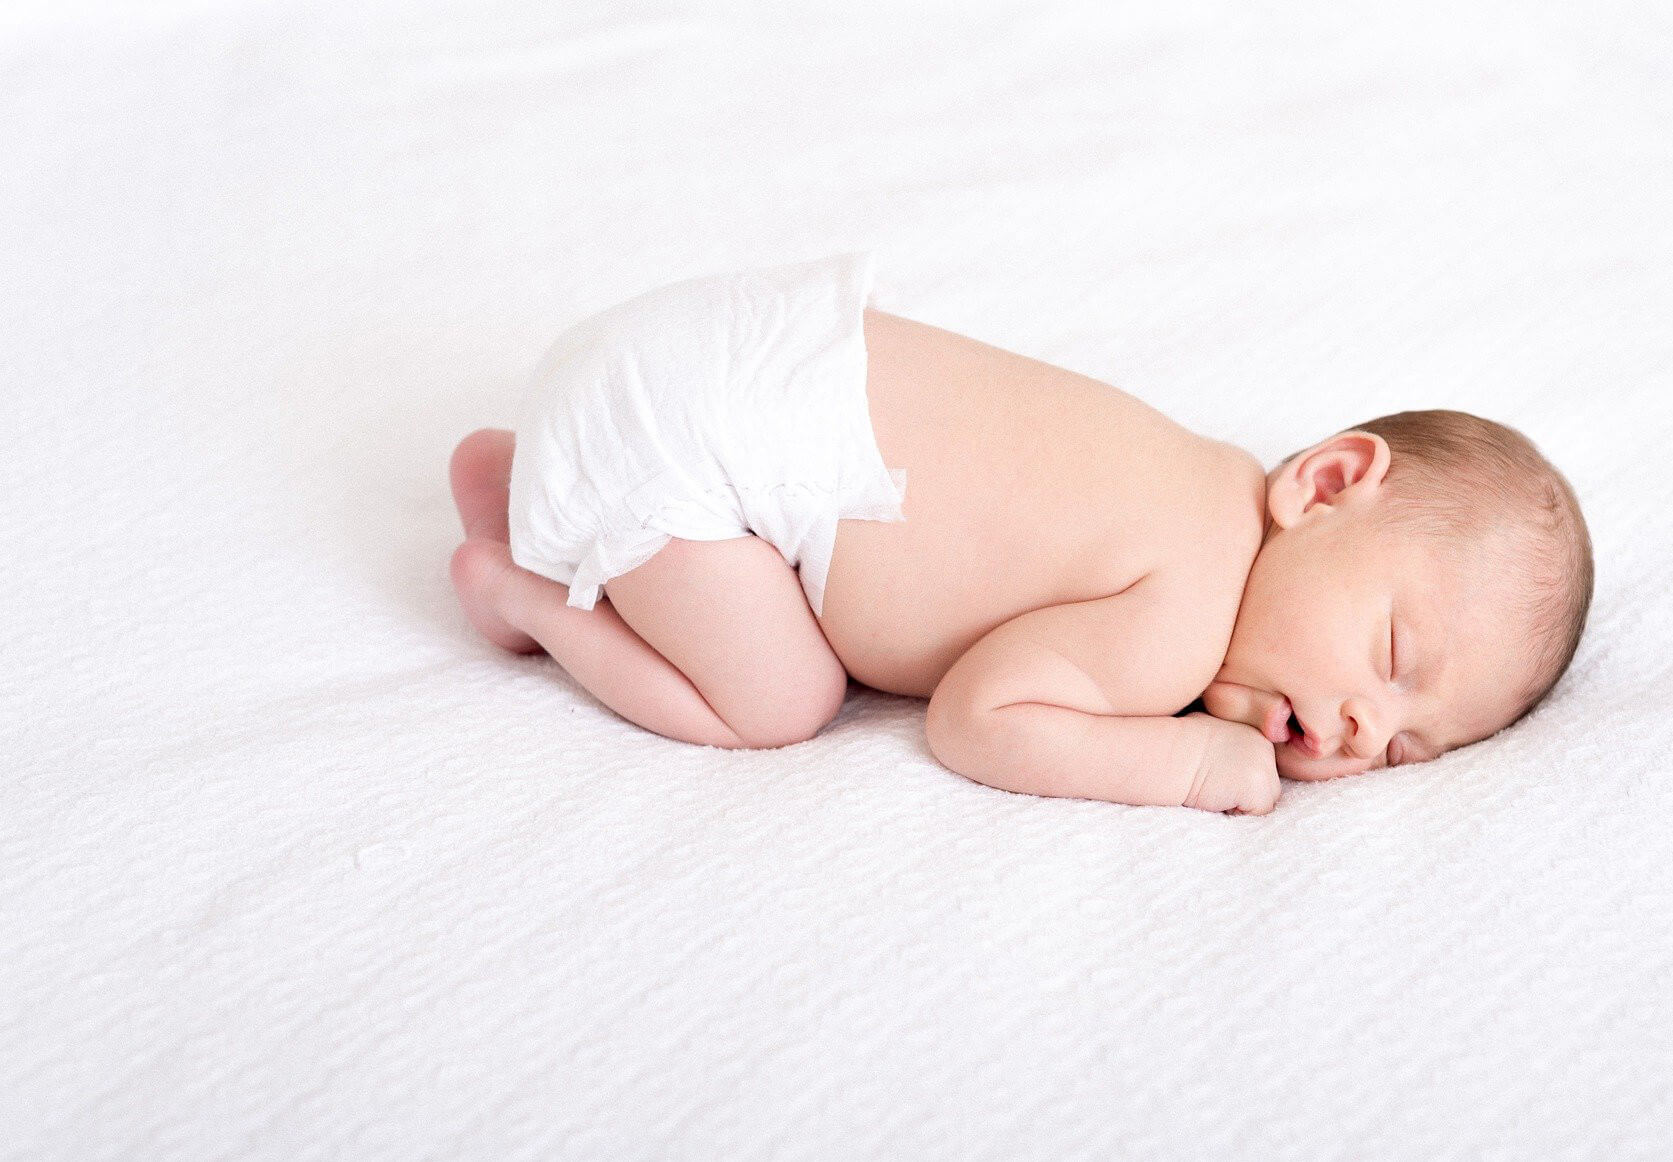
column 1238, row 772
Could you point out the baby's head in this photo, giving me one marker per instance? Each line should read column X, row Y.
column 1440, row 538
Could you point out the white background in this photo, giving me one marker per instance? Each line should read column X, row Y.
column 294, row 866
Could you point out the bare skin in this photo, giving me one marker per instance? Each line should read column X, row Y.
column 1028, row 486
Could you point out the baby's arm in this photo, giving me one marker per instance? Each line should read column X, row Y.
column 1070, row 701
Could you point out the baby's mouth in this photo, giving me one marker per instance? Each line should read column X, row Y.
column 1300, row 740
column 1277, row 727
column 1283, row 725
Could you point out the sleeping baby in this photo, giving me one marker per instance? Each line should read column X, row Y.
column 728, row 497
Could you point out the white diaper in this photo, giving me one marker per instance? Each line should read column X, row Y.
column 709, row 409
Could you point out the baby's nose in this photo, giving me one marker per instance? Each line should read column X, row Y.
column 1361, row 738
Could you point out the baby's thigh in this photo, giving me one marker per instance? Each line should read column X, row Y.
column 732, row 617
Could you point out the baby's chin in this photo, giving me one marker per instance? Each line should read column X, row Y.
column 1293, row 765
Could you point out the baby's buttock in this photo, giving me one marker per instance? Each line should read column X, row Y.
column 715, row 408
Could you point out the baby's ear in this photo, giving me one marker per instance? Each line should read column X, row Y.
column 1323, row 473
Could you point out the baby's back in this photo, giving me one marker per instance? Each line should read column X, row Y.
column 1027, row 486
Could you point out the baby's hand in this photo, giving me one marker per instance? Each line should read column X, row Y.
column 1238, row 772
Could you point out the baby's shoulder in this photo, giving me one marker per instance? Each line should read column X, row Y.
column 1207, row 547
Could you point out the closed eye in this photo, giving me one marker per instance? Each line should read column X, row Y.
column 1388, row 755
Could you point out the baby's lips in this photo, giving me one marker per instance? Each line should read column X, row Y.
column 1277, row 728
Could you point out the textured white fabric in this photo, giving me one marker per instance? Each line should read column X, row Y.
column 294, row 866
column 715, row 407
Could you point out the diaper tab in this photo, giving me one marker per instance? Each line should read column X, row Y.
column 875, row 498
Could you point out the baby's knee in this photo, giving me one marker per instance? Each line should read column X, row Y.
column 800, row 714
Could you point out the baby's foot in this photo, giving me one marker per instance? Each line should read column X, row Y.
column 480, row 569
column 480, row 472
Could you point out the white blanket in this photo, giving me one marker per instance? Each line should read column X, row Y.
column 292, row 865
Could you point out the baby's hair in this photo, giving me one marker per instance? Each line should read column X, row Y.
column 1454, row 477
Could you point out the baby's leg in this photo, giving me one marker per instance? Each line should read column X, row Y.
column 596, row 647
column 731, row 615
column 480, row 473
